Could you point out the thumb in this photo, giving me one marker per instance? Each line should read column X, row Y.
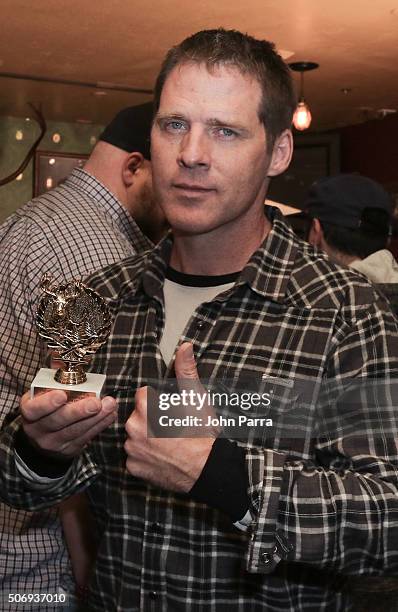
column 188, row 380
column 185, row 364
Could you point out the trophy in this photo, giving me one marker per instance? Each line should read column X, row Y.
column 75, row 322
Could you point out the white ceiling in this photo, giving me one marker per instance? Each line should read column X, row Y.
column 123, row 42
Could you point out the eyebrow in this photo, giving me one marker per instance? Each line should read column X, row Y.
column 159, row 117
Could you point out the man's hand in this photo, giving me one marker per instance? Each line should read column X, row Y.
column 171, row 463
column 60, row 428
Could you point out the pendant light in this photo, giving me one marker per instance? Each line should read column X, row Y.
column 302, row 115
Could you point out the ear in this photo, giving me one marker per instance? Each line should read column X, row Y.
column 131, row 166
column 281, row 153
column 315, row 235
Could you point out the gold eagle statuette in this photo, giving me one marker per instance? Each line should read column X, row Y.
column 75, row 322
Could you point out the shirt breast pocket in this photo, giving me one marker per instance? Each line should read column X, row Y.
column 266, row 411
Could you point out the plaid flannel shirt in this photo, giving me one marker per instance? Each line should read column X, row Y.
column 292, row 313
column 69, row 232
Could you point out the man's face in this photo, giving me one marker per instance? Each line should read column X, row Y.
column 209, row 152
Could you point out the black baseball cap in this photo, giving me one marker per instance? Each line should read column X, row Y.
column 351, row 201
column 130, row 129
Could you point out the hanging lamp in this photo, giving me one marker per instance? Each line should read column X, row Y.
column 302, row 115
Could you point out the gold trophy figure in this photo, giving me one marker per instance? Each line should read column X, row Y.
column 75, row 322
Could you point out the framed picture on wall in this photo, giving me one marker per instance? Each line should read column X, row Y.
column 51, row 169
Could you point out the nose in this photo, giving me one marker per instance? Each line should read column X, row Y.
column 194, row 150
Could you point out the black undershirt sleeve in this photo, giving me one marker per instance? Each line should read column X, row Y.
column 223, row 482
column 40, row 463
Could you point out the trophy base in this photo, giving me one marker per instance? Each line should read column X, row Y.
column 44, row 381
column 70, row 377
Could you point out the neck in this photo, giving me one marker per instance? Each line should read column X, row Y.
column 341, row 258
column 104, row 164
column 220, row 251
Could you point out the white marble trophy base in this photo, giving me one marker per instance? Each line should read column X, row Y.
column 44, row 381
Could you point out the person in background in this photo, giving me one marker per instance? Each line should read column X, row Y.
column 204, row 523
column 84, row 224
column 351, row 221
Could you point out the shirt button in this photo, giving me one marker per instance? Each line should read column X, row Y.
column 200, row 324
column 156, row 527
column 153, row 594
column 265, row 558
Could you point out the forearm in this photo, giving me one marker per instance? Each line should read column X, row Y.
column 340, row 519
column 79, row 531
column 19, row 492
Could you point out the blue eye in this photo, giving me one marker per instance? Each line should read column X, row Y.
column 175, row 126
column 226, row 132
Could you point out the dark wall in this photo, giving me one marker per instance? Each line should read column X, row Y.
column 371, row 149
column 315, row 155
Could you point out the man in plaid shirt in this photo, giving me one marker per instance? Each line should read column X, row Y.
column 205, row 523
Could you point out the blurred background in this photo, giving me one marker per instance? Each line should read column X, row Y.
column 78, row 63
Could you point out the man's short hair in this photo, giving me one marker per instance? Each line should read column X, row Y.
column 257, row 58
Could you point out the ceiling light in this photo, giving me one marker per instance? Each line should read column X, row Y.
column 19, row 135
column 19, row 177
column 51, row 161
column 56, row 138
column 302, row 115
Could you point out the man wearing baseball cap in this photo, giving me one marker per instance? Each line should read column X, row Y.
column 351, row 222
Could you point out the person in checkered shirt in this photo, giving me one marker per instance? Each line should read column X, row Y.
column 272, row 522
column 88, row 222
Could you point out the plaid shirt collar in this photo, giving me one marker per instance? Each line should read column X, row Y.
column 81, row 180
column 267, row 272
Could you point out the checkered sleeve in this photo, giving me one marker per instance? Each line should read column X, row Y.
column 21, row 355
column 20, row 350
column 341, row 514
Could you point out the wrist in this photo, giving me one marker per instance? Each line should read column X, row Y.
column 200, row 451
column 223, row 482
column 38, row 461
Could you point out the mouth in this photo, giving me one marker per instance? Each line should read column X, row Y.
column 192, row 188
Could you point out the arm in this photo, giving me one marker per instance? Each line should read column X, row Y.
column 26, row 252
column 342, row 515
column 77, row 523
column 21, row 353
column 56, row 432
